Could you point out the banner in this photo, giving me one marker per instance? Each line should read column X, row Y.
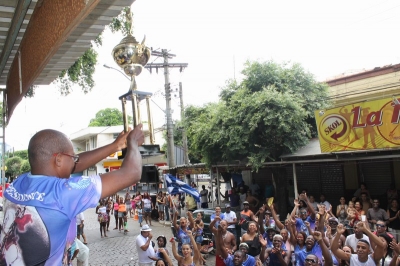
column 360, row 126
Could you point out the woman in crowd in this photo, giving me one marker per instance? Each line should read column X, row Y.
column 115, row 210
column 186, row 258
column 182, row 230
column 198, row 229
column 394, row 218
column 341, row 211
column 160, row 205
column 121, row 213
column 252, row 240
column 387, row 251
column 136, row 201
column 109, row 208
column 102, row 217
column 147, row 207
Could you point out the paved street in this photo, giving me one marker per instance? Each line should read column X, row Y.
column 119, row 249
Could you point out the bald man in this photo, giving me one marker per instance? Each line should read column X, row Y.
column 40, row 208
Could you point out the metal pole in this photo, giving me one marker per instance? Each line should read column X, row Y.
column 296, row 192
column 218, row 189
column 133, row 87
column 150, row 120
column 3, row 161
column 125, row 114
column 170, row 128
column 184, row 138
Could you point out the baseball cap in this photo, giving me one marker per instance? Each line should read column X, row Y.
column 227, row 205
column 146, row 228
column 333, row 219
column 246, row 202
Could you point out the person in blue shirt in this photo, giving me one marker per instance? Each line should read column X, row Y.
column 40, row 207
column 304, row 217
column 217, row 213
column 276, row 255
column 237, row 259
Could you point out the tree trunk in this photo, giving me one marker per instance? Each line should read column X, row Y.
column 281, row 193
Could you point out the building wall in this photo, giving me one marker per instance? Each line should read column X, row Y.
column 351, row 90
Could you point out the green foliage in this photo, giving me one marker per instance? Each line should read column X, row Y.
column 108, row 117
column 80, row 73
column 14, row 166
column 25, row 167
column 120, row 23
column 270, row 113
column 23, row 154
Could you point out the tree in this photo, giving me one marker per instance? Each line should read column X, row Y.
column 25, row 167
column 14, row 166
column 23, row 154
column 268, row 114
column 108, row 117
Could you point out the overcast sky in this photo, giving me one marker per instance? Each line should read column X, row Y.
column 215, row 38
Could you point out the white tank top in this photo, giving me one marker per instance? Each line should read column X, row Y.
column 355, row 262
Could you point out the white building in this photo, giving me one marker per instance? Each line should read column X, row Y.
column 93, row 137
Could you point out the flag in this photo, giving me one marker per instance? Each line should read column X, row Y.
column 176, row 186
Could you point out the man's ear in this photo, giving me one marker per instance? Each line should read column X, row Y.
column 58, row 160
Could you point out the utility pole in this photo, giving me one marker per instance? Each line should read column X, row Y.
column 170, row 127
column 184, row 137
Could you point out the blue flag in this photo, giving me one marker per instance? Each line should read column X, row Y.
column 176, row 186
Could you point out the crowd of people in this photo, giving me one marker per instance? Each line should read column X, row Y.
column 313, row 234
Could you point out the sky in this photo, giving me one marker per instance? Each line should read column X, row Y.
column 216, row 38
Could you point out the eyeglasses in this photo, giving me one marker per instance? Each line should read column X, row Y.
column 311, row 260
column 333, row 223
column 380, row 225
column 74, row 157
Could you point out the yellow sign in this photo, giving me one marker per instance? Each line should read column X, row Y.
column 360, row 126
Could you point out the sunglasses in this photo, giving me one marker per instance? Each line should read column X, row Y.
column 311, row 260
column 380, row 225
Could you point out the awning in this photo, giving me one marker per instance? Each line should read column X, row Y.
column 112, row 163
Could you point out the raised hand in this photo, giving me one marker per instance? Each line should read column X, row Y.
column 317, row 236
column 340, row 229
column 395, row 246
column 307, row 224
column 328, row 231
column 361, row 226
column 263, row 242
column 296, row 202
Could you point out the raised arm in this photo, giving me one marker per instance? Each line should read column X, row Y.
column 380, row 246
column 196, row 251
column 190, row 218
column 176, row 226
column 131, row 168
column 292, row 234
column 212, row 224
column 325, row 252
column 309, row 205
column 263, row 254
column 261, row 215
column 276, row 219
column 296, row 206
column 340, row 254
column 174, row 251
column 166, row 256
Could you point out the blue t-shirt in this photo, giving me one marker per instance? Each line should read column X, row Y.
column 250, row 261
column 39, row 216
column 301, row 227
column 212, row 217
column 301, row 254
